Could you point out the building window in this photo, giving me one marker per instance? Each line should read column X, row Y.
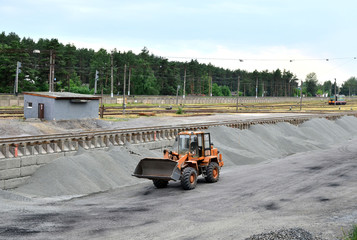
column 29, row 104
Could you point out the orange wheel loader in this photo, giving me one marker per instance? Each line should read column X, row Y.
column 195, row 156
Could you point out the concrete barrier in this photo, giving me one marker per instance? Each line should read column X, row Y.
column 11, row 100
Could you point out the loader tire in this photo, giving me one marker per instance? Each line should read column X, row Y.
column 212, row 172
column 189, row 178
column 160, row 183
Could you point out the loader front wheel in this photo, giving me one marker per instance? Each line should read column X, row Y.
column 212, row 172
column 160, row 183
column 189, row 178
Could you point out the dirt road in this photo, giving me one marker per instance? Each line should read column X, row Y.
column 315, row 190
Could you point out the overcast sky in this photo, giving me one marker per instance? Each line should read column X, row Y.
column 265, row 34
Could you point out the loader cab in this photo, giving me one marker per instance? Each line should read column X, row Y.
column 196, row 143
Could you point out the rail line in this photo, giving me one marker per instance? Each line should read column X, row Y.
column 12, row 147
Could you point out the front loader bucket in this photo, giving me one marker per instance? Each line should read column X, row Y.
column 157, row 168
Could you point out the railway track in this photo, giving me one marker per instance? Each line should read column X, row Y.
column 62, row 142
column 11, row 113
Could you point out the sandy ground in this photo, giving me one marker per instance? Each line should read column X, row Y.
column 276, row 176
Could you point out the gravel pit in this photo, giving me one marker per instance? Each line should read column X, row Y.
column 91, row 171
column 280, row 182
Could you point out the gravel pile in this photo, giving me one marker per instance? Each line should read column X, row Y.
column 87, row 172
column 285, row 234
column 273, row 141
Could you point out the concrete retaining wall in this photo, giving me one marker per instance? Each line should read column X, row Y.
column 171, row 100
column 16, row 171
column 19, row 161
column 11, row 100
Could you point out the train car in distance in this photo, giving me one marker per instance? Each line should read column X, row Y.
column 337, row 100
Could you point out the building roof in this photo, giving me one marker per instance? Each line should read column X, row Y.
column 63, row 95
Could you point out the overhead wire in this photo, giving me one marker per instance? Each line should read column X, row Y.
column 261, row 59
column 158, row 66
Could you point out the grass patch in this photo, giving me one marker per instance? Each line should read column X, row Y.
column 120, row 118
column 12, row 107
column 180, row 111
column 351, row 235
column 135, row 104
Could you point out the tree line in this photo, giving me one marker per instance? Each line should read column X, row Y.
column 76, row 70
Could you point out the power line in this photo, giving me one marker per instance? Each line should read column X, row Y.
column 12, row 51
column 262, row 59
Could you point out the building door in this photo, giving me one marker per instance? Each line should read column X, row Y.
column 41, row 110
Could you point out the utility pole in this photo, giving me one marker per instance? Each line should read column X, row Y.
column 178, row 87
column 18, row 65
column 209, row 85
column 211, row 81
column 335, row 93
column 184, row 85
column 101, row 105
column 256, row 88
column 301, row 96
column 124, row 106
column 52, row 71
column 111, row 75
column 129, row 81
column 50, row 75
column 238, row 93
column 263, row 89
column 95, row 81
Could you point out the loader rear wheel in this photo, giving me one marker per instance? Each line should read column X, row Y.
column 212, row 172
column 189, row 178
column 160, row 183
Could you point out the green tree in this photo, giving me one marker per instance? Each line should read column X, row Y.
column 276, row 85
column 327, row 87
column 216, row 90
column 68, row 62
column 101, row 62
column 349, row 87
column 289, row 82
column 144, row 80
column 311, row 84
column 150, row 74
column 225, row 91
